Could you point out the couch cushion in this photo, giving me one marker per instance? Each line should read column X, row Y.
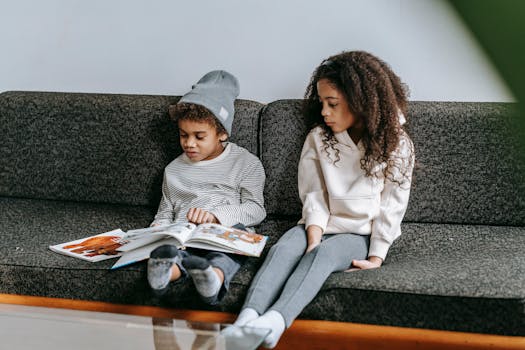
column 28, row 267
column 451, row 277
column 95, row 147
column 436, row 276
column 468, row 162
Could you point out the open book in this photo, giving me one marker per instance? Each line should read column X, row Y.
column 136, row 245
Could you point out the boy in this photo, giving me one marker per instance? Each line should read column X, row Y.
column 213, row 181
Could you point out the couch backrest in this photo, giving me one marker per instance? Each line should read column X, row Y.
column 469, row 167
column 470, row 163
column 95, row 147
column 283, row 132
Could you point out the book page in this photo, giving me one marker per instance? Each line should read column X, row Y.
column 144, row 236
column 142, row 253
column 94, row 248
column 236, row 241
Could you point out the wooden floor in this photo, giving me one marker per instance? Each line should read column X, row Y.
column 305, row 334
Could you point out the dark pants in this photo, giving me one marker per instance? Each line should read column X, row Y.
column 229, row 264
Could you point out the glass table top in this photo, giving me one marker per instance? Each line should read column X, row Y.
column 28, row 327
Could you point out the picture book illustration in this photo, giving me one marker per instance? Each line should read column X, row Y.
column 228, row 234
column 95, row 248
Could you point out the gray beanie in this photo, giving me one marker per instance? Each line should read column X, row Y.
column 216, row 91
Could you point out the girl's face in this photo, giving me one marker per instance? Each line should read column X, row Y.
column 335, row 109
column 200, row 140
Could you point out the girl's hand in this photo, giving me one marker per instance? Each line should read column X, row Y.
column 313, row 237
column 201, row 216
column 373, row 262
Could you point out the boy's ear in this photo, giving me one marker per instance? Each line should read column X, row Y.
column 223, row 137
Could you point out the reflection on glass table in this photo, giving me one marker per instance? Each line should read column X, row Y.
column 181, row 334
column 26, row 327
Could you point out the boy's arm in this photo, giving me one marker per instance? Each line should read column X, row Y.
column 251, row 210
column 165, row 212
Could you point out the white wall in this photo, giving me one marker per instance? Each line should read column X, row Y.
column 164, row 46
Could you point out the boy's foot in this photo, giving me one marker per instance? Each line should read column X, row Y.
column 245, row 316
column 206, row 280
column 274, row 321
column 160, row 263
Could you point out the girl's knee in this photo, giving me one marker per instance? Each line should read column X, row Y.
column 293, row 242
column 295, row 236
column 323, row 250
column 286, row 248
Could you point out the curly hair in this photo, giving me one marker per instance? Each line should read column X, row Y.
column 375, row 95
column 195, row 112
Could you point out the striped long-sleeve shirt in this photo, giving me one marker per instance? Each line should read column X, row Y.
column 229, row 186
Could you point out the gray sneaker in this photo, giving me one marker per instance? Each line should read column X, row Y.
column 160, row 262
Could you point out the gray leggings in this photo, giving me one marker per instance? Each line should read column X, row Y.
column 289, row 279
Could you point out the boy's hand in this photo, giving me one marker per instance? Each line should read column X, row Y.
column 201, row 216
column 373, row 262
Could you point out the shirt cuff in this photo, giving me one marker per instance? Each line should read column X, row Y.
column 316, row 218
column 378, row 247
column 161, row 222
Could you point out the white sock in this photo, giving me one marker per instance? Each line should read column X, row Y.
column 245, row 316
column 274, row 321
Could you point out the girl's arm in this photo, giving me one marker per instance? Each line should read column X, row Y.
column 251, row 210
column 394, row 201
column 313, row 235
column 312, row 190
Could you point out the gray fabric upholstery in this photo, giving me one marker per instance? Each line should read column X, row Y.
column 283, row 131
column 467, row 162
column 73, row 165
column 95, row 147
column 439, row 276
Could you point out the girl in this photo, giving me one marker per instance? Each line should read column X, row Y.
column 354, row 182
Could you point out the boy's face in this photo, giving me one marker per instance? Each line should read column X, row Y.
column 200, row 140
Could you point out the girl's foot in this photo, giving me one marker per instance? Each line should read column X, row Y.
column 245, row 316
column 206, row 279
column 273, row 321
column 160, row 264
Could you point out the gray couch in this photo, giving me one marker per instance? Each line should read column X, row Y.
column 73, row 165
